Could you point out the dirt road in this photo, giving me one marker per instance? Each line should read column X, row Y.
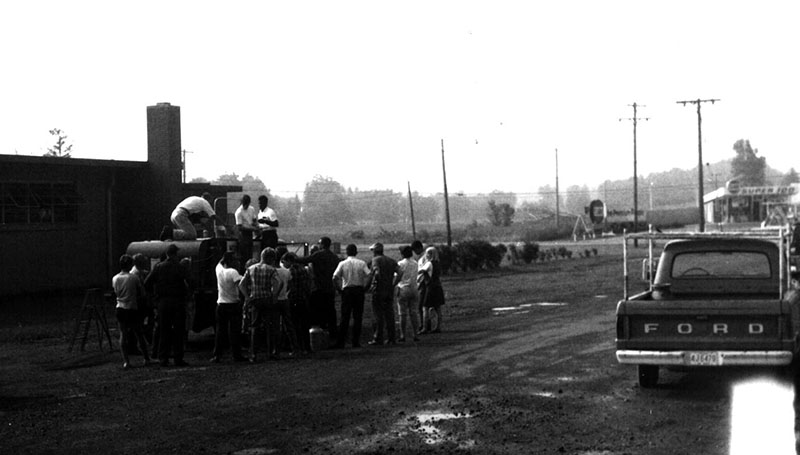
column 525, row 364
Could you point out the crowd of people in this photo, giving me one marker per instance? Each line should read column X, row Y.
column 279, row 299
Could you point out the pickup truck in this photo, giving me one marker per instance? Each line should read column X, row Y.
column 715, row 300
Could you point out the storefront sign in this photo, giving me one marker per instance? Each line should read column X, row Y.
column 767, row 190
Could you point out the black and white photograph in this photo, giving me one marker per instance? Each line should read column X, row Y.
column 371, row 227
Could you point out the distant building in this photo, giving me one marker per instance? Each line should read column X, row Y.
column 64, row 222
column 752, row 204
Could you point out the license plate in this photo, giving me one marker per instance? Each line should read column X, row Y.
column 704, row 358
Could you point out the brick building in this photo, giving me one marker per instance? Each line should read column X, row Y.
column 64, row 222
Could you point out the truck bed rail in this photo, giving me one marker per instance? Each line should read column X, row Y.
column 780, row 234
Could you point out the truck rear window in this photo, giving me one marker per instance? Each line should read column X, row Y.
column 733, row 264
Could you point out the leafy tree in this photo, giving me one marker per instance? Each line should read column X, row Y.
column 504, row 197
column 427, row 209
column 500, row 214
column 290, row 209
column 547, row 197
column 378, row 206
column 577, row 198
column 254, row 185
column 325, row 203
column 747, row 166
column 60, row 149
column 532, row 211
column 790, row 177
column 228, row 179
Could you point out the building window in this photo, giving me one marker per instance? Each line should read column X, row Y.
column 39, row 203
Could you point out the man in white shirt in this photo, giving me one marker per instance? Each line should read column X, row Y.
column 129, row 290
column 190, row 210
column 229, row 308
column 246, row 223
column 407, row 293
column 268, row 223
column 353, row 277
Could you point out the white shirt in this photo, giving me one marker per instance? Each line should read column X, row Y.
column 227, row 284
column 269, row 214
column 409, row 268
column 352, row 271
column 128, row 288
column 196, row 204
column 246, row 216
column 285, row 275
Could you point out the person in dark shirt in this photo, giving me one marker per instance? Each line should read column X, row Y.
column 383, row 270
column 323, row 298
column 169, row 282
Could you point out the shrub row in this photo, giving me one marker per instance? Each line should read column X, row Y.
column 473, row 255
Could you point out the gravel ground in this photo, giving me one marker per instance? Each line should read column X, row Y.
column 525, row 364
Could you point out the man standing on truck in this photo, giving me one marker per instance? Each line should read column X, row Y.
column 189, row 211
column 246, row 224
column 268, row 223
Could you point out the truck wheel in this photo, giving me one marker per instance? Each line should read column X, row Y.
column 648, row 376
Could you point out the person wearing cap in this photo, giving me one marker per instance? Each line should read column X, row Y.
column 352, row 277
column 383, row 271
column 190, row 210
column 169, row 282
column 229, row 308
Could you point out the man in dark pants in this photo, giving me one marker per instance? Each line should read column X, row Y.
column 352, row 276
column 323, row 299
column 169, row 281
column 383, row 270
column 259, row 285
column 229, row 308
column 268, row 223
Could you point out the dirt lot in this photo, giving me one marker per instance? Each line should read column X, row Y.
column 525, row 364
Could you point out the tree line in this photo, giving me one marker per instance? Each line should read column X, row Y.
column 326, row 202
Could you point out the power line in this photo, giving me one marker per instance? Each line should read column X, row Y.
column 699, row 102
column 635, row 120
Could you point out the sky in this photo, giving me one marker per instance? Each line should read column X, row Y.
column 365, row 92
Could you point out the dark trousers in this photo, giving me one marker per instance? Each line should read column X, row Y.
column 383, row 317
column 302, row 325
column 228, row 328
column 352, row 303
column 172, row 328
column 285, row 311
column 245, row 247
column 269, row 239
column 323, row 311
column 264, row 315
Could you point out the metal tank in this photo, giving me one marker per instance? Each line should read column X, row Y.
column 203, row 255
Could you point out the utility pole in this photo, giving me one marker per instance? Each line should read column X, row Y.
column 183, row 163
column 557, row 211
column 635, row 120
column 446, row 201
column 411, row 206
column 698, row 102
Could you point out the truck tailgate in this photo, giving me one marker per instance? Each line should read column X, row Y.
column 703, row 325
